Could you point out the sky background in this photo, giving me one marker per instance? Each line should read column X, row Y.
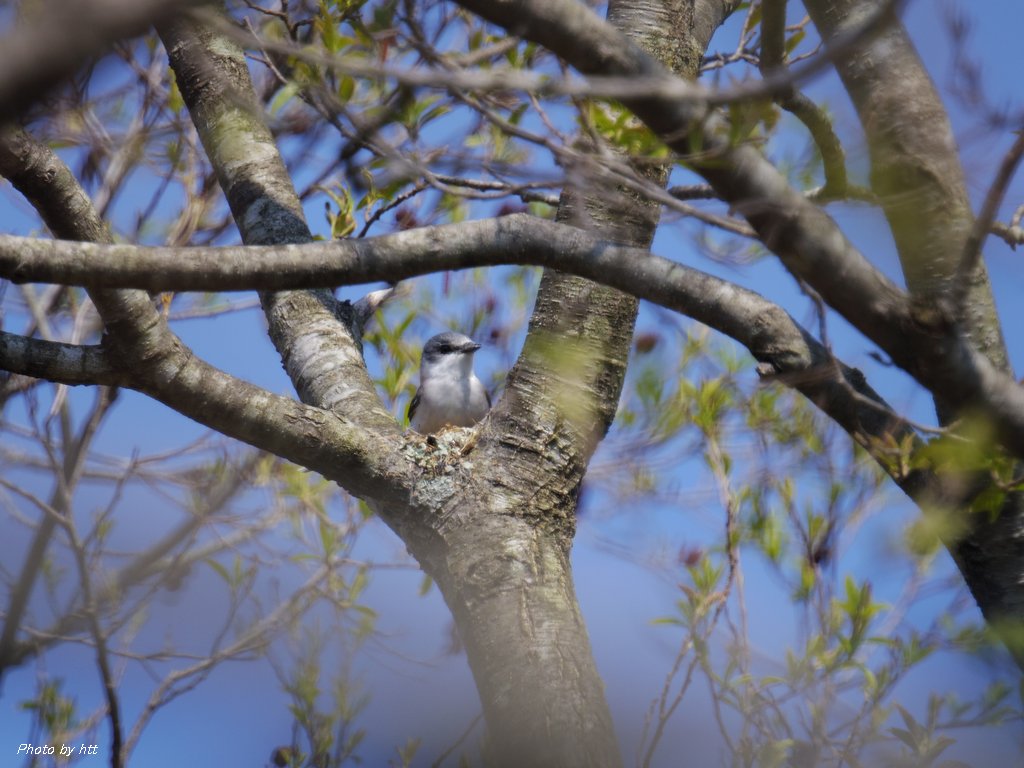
column 418, row 689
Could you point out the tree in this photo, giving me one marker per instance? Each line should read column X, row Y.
column 489, row 514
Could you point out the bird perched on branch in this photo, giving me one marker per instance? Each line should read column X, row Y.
column 449, row 394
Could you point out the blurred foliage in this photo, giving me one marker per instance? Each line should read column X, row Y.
column 795, row 492
column 272, row 547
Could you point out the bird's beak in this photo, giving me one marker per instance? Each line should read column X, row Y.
column 471, row 347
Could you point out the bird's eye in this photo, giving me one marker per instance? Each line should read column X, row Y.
column 444, row 349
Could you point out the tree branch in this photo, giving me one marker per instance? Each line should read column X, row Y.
column 155, row 559
column 515, row 239
column 322, row 356
column 773, row 62
column 141, row 352
column 765, row 329
column 915, row 172
column 58, row 362
column 70, row 32
column 1012, row 235
column 606, row 84
column 833, row 158
column 984, row 221
column 786, row 351
column 68, row 471
column 55, row 193
column 920, row 338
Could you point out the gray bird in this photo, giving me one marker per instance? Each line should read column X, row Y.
column 449, row 394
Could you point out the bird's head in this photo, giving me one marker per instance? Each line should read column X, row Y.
column 450, row 353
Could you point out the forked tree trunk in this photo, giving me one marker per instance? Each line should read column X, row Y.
column 501, row 555
column 495, row 534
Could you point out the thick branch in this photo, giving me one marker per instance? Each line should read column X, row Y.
column 48, row 184
column 763, row 327
column 915, row 170
column 358, row 459
column 362, row 461
column 328, row 443
column 322, row 356
column 918, row 338
column 917, row 175
column 770, row 334
column 525, row 640
column 141, row 353
column 57, row 362
column 69, row 32
column 43, row 178
column 515, row 239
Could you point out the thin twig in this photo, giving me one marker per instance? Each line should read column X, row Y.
column 465, row 734
column 983, row 224
column 541, row 83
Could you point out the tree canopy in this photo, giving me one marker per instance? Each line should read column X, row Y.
column 729, row 262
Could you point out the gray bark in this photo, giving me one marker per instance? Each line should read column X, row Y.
column 917, row 176
column 508, row 579
column 921, row 335
column 70, row 32
column 495, row 532
column 785, row 350
column 322, row 356
column 915, row 169
column 497, row 540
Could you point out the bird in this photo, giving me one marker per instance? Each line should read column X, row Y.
column 449, row 393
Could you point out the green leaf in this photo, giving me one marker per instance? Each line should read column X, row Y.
column 905, row 736
column 794, row 40
column 283, row 96
column 219, row 569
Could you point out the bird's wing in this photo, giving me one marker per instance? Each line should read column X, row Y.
column 413, row 404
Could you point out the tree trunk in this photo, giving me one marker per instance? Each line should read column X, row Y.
column 495, row 531
column 509, row 586
column 501, row 557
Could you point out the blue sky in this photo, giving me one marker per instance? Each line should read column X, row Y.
column 237, row 716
